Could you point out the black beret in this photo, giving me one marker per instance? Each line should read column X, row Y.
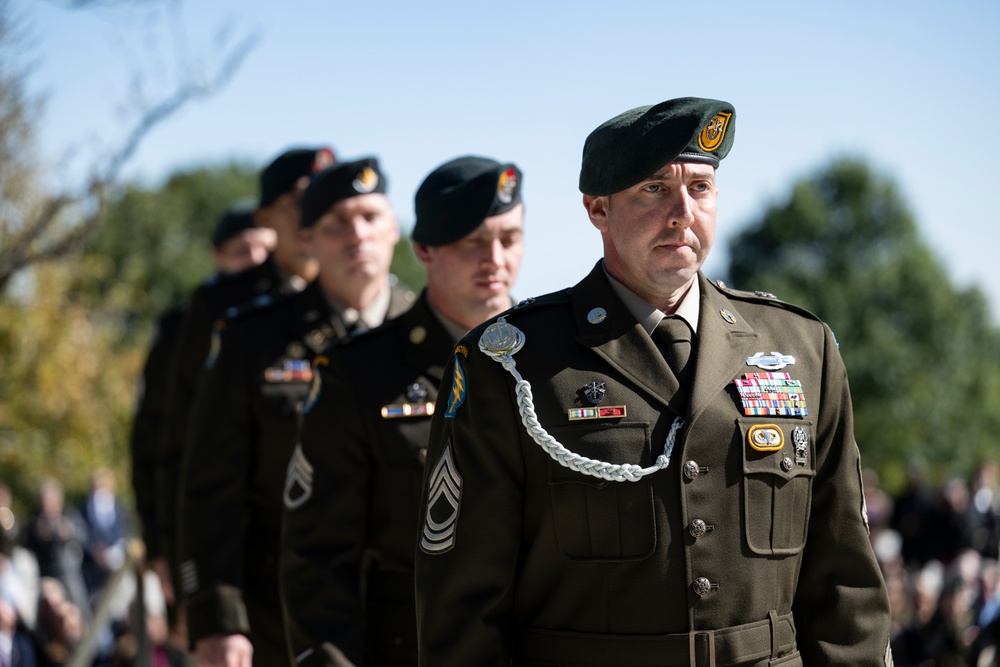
column 284, row 172
column 340, row 181
column 237, row 217
column 636, row 144
column 456, row 197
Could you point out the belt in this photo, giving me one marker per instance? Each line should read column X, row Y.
column 770, row 638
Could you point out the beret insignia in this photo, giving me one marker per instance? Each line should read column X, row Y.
column 712, row 134
column 507, row 185
column 366, row 181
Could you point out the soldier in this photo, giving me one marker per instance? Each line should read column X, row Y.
column 244, row 423
column 287, row 269
column 648, row 468
column 238, row 244
column 353, row 487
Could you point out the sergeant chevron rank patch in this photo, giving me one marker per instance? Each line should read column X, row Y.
column 298, row 479
column 444, row 497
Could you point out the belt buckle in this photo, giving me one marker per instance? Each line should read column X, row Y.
column 693, row 647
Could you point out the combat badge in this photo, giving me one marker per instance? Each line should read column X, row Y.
column 444, row 497
column 298, row 479
column 770, row 362
column 457, row 395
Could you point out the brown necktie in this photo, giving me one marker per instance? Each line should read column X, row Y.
column 674, row 338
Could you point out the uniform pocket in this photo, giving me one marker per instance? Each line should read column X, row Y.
column 596, row 519
column 778, row 469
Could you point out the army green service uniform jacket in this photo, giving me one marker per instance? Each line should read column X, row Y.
column 353, row 528
column 749, row 548
column 149, row 425
column 208, row 305
column 243, row 430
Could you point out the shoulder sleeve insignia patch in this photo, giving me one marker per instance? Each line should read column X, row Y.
column 458, row 384
column 215, row 346
column 298, row 479
column 444, row 497
column 314, row 391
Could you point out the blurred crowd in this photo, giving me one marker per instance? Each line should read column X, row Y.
column 65, row 582
column 938, row 547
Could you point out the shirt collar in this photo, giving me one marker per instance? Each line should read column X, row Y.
column 370, row 317
column 647, row 315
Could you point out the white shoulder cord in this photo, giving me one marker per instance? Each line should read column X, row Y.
column 500, row 342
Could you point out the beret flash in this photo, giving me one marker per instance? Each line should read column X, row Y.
column 285, row 170
column 340, row 181
column 635, row 144
column 456, row 197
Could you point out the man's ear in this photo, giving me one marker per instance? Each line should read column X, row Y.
column 597, row 209
column 423, row 253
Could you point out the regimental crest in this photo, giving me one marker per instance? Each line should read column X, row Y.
column 457, row 395
column 444, row 498
column 324, row 158
column 594, row 391
column 507, row 185
column 366, row 181
column 298, row 479
column 712, row 134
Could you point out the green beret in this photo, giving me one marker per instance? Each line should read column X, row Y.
column 285, row 170
column 456, row 197
column 238, row 217
column 636, row 144
column 340, row 181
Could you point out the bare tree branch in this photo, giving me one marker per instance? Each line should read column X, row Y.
column 64, row 220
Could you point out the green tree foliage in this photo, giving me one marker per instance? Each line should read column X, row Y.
column 406, row 266
column 154, row 246
column 922, row 356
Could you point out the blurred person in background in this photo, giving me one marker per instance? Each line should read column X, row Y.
column 108, row 527
column 57, row 536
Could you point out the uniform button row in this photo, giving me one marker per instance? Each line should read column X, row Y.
column 698, row 528
column 702, row 586
column 692, row 470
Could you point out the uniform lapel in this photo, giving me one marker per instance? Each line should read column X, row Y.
column 723, row 347
column 619, row 339
column 426, row 344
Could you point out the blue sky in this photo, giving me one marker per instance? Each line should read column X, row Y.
column 909, row 86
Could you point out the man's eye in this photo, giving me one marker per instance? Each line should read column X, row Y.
column 653, row 187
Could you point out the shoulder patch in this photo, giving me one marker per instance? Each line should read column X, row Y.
column 215, row 346
column 458, row 385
